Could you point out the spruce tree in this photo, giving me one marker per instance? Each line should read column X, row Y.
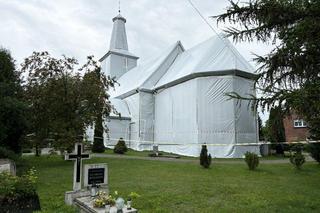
column 289, row 74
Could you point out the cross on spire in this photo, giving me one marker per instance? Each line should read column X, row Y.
column 77, row 156
column 119, row 6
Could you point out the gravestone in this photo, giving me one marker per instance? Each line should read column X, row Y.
column 7, row 165
column 95, row 174
column 77, row 156
column 155, row 149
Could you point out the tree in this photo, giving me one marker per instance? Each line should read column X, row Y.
column 275, row 129
column 13, row 123
column 98, row 146
column 120, row 147
column 289, row 75
column 64, row 101
column 261, row 133
column 205, row 159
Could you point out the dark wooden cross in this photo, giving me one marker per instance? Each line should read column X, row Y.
column 77, row 156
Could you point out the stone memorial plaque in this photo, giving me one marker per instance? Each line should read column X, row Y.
column 95, row 174
column 7, row 165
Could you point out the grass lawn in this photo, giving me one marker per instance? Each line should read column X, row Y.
column 186, row 187
column 132, row 152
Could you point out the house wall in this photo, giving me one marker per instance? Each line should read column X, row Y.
column 292, row 133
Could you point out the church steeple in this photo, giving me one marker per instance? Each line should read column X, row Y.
column 118, row 60
column 119, row 35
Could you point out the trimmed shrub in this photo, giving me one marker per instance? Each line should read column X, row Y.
column 296, row 156
column 252, row 160
column 205, row 159
column 98, row 146
column 121, row 147
column 314, row 150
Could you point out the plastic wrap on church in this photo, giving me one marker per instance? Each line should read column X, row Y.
column 198, row 112
column 178, row 100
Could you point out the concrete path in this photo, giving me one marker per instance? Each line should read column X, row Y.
column 219, row 161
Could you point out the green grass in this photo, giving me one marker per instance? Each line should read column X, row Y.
column 186, row 187
column 132, row 152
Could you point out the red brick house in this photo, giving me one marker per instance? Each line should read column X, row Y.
column 295, row 128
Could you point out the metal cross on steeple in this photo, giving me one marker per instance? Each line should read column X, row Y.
column 119, row 6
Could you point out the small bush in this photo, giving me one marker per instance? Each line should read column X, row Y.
column 314, row 150
column 205, row 159
column 18, row 194
column 121, row 147
column 296, row 156
column 98, row 146
column 252, row 160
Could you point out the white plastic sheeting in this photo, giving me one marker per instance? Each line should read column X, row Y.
column 176, row 119
column 216, row 115
column 118, row 128
column 121, row 107
column 151, row 70
column 180, row 115
column 198, row 111
column 245, row 117
column 211, row 55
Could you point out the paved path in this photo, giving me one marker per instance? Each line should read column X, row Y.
column 220, row 161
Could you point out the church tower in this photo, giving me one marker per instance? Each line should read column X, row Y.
column 118, row 60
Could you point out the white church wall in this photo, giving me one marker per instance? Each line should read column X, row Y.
column 175, row 119
column 134, row 107
column 245, row 118
column 215, row 115
column 146, row 120
column 118, row 128
column 117, row 65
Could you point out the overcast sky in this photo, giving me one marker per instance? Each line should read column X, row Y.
column 83, row 27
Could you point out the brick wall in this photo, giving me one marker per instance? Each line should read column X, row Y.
column 294, row 133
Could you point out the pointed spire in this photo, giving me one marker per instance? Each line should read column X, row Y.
column 119, row 35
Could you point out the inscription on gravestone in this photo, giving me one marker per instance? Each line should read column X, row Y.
column 95, row 174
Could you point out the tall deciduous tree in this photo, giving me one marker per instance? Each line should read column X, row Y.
column 13, row 123
column 63, row 100
column 289, row 75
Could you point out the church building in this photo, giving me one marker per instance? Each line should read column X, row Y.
column 178, row 100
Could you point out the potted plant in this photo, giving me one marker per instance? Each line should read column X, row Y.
column 131, row 196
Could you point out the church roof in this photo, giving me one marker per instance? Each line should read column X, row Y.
column 135, row 78
column 121, row 107
column 215, row 56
